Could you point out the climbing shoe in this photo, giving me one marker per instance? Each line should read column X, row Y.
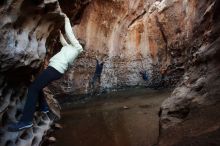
column 19, row 126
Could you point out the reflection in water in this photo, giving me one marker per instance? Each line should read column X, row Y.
column 126, row 118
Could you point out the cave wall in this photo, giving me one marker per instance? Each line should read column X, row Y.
column 131, row 36
column 104, row 27
column 200, row 84
column 27, row 28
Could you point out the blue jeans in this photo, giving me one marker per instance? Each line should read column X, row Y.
column 35, row 93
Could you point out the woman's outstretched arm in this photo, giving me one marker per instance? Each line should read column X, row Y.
column 70, row 35
column 62, row 39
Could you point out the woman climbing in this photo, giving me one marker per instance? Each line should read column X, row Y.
column 58, row 64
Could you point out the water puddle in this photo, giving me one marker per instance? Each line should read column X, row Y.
column 125, row 118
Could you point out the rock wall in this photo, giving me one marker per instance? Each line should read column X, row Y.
column 131, row 36
column 199, row 86
column 27, row 28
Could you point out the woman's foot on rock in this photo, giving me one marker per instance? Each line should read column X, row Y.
column 19, row 126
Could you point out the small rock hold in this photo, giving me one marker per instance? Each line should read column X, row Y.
column 57, row 126
column 51, row 139
column 125, row 107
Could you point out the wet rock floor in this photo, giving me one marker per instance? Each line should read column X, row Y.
column 125, row 118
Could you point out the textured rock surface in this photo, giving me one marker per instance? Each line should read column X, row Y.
column 200, row 85
column 130, row 36
column 25, row 32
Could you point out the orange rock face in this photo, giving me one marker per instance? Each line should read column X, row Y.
column 131, row 36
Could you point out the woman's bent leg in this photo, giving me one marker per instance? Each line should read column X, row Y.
column 43, row 106
column 46, row 77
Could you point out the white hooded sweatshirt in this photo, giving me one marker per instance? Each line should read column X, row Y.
column 68, row 52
